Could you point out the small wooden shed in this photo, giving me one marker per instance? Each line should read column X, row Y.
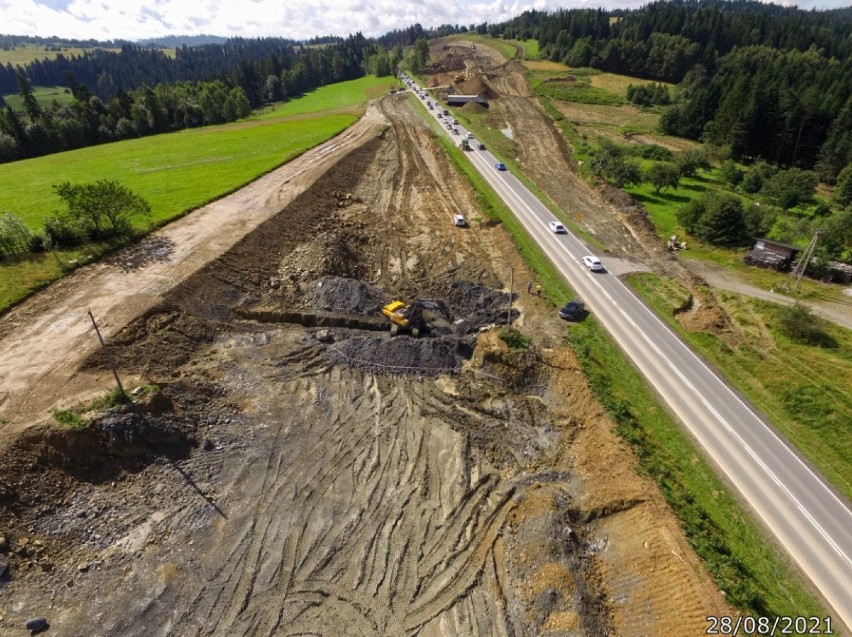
column 768, row 253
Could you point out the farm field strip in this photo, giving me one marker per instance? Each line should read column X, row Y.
column 175, row 172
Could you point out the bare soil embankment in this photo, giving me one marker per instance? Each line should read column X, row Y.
column 275, row 485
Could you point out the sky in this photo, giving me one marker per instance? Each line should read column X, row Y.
column 298, row 19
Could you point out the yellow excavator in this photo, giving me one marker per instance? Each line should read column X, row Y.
column 410, row 316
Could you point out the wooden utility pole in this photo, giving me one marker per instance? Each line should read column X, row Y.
column 108, row 358
column 511, row 294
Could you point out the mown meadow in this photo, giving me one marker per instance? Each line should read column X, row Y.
column 174, row 172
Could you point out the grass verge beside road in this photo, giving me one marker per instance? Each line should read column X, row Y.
column 743, row 560
column 802, row 389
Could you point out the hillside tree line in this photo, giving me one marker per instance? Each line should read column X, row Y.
column 137, row 92
column 769, row 82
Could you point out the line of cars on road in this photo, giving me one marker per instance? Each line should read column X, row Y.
column 573, row 310
column 442, row 114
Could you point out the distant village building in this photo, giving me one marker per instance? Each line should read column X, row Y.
column 771, row 254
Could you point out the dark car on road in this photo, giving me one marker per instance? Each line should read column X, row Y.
column 571, row 311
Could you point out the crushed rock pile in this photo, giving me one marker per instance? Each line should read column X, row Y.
column 478, row 304
column 399, row 355
column 337, row 294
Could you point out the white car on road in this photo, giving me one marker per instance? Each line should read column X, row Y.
column 557, row 228
column 593, row 263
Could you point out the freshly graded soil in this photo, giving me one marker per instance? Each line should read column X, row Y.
column 269, row 485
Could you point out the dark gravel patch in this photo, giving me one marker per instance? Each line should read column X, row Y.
column 401, row 355
column 338, row 294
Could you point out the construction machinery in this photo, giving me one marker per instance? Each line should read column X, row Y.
column 410, row 316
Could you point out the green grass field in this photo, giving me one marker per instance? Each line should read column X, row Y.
column 44, row 94
column 26, row 54
column 803, row 390
column 175, row 172
column 580, row 91
column 531, row 48
column 663, row 207
column 742, row 559
column 349, row 96
column 618, row 83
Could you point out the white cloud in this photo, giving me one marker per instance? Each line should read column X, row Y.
column 133, row 19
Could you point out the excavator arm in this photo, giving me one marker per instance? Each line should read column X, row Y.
column 411, row 316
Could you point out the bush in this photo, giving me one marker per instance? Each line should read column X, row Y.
column 759, row 220
column 62, row 231
column 691, row 161
column 39, row 243
column 717, row 219
column 731, row 173
column 752, row 183
column 513, row 338
column 799, row 324
column 651, row 151
column 791, row 187
column 14, row 235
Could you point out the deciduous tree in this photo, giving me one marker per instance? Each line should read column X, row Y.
column 717, row 219
column 103, row 208
column 663, row 175
column 788, row 188
column 731, row 173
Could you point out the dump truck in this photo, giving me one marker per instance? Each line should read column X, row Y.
column 409, row 317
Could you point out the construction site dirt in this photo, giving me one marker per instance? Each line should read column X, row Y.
column 291, row 469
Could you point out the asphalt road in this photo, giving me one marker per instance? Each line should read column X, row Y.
column 809, row 519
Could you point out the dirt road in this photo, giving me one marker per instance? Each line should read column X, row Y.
column 44, row 339
column 275, row 487
column 839, row 312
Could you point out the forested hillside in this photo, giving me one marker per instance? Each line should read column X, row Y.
column 770, row 82
column 138, row 91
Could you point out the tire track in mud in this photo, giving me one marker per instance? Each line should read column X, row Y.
column 369, row 515
column 344, row 525
column 424, row 181
column 366, row 504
